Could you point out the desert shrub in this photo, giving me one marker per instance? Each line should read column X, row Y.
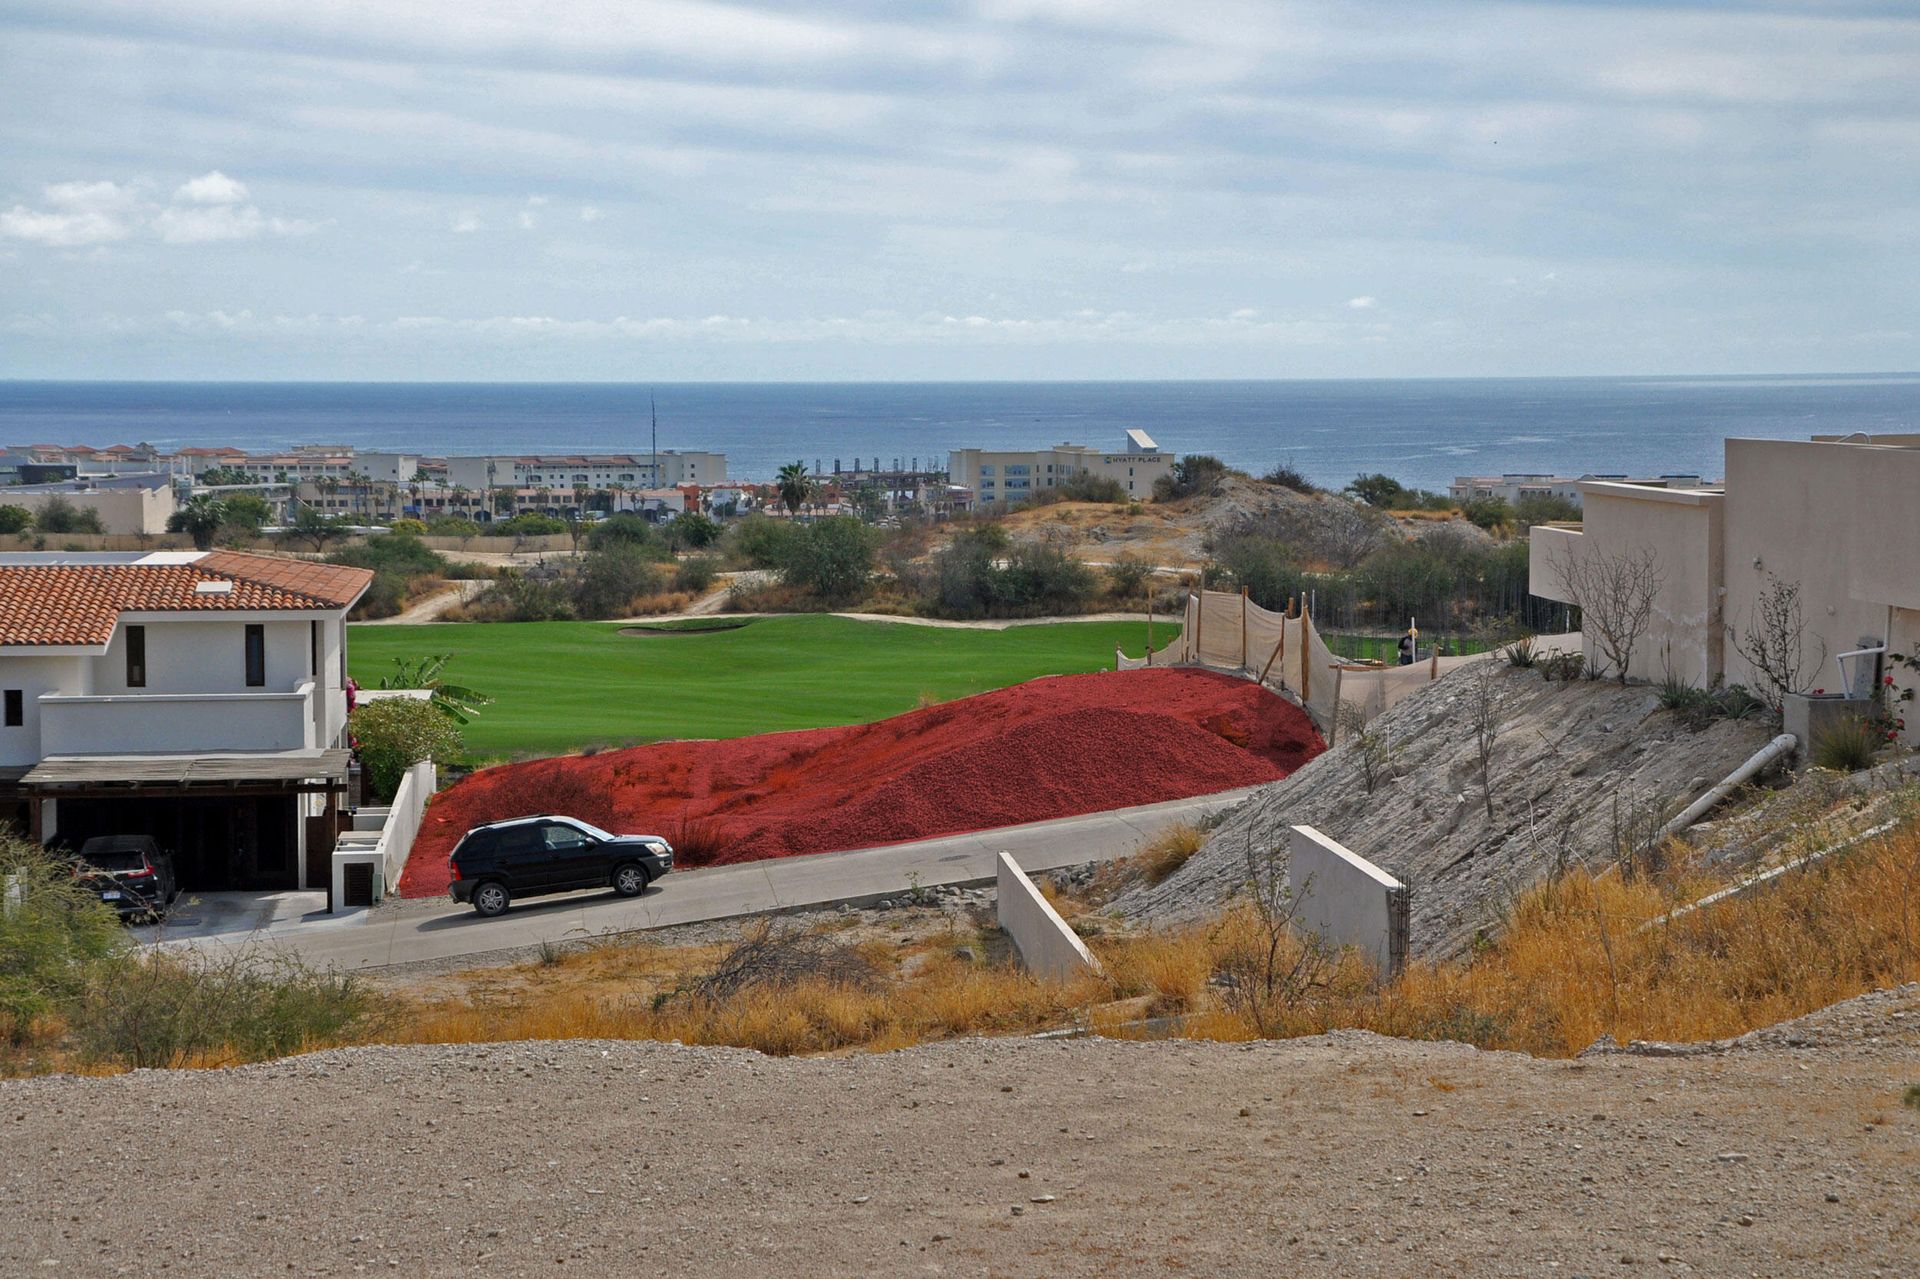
column 1522, row 653
column 452, row 526
column 763, row 542
column 52, row 932
column 58, row 515
column 391, row 734
column 770, row 957
column 964, row 571
column 1381, row 491
column 385, row 596
column 167, row 1009
column 517, row 597
column 1040, row 577
column 1546, row 508
column 407, row 526
column 400, row 553
column 15, row 519
column 697, row 574
column 694, row 530
column 613, row 576
column 629, row 531
column 831, row 559
column 1847, row 747
column 1194, row 473
column 1288, row 476
column 527, row 525
column 1128, row 575
column 1488, row 512
column 1081, row 486
column 470, row 571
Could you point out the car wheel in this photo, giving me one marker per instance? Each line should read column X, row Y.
column 630, row 880
column 491, row 898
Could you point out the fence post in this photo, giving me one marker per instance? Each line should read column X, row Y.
column 1243, row 628
column 1333, row 720
column 1306, row 655
column 1433, row 667
column 1278, row 649
column 1199, row 621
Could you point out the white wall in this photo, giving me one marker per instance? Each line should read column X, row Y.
column 204, row 656
column 1346, row 900
column 175, row 723
column 34, row 676
column 1047, row 946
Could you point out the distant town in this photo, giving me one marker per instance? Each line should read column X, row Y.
column 138, row 489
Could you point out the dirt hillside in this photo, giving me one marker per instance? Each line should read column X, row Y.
column 1348, row 1155
column 1572, row 765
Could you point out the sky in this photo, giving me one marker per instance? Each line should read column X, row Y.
column 882, row 189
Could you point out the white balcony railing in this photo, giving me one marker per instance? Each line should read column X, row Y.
column 177, row 723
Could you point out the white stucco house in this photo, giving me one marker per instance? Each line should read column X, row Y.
column 199, row 697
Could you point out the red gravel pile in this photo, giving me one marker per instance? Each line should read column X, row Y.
column 1053, row 747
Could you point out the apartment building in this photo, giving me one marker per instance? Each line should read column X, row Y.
column 1002, row 476
column 589, row 471
column 197, row 697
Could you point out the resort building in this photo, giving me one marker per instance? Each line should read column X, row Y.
column 132, row 505
column 999, row 477
column 196, row 697
column 1518, row 486
column 1828, row 519
column 592, row 472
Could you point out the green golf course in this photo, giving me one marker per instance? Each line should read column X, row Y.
column 561, row 686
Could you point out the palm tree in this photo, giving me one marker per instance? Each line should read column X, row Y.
column 795, row 486
column 200, row 519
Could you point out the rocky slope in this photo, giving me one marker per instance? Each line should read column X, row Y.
column 1575, row 767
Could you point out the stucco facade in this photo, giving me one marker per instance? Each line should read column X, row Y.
column 1834, row 518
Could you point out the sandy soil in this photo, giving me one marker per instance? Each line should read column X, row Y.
column 1788, row 1153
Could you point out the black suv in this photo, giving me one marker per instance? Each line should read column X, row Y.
column 528, row 856
column 131, row 873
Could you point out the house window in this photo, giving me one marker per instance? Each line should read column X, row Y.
column 136, row 657
column 16, row 708
column 256, row 655
column 313, row 648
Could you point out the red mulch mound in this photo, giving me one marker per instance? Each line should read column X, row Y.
column 1054, row 747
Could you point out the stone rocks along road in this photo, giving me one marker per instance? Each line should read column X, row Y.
column 1349, row 1155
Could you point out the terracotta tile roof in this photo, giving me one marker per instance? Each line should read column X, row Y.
column 81, row 603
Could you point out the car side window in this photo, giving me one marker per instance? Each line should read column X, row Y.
column 562, row 838
column 519, row 841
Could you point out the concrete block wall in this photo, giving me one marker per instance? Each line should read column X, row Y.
column 1047, row 946
column 1346, row 900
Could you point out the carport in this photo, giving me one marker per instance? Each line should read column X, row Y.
column 254, row 821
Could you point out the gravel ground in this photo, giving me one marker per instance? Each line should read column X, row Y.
column 1785, row 1153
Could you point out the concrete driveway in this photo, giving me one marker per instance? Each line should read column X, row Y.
column 204, row 916
column 409, row 934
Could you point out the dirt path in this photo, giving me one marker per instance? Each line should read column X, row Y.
column 1344, row 1155
column 431, row 608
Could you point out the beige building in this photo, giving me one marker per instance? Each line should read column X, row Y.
column 1013, row 476
column 1835, row 518
column 126, row 504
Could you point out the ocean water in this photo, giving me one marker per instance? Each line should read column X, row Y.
column 1423, row 432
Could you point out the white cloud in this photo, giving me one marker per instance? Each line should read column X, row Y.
column 589, row 213
column 1362, row 303
column 82, row 214
column 528, row 220
column 203, row 210
column 211, row 188
column 465, row 224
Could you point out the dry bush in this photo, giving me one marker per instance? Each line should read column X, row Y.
column 769, row 957
column 697, row 841
column 661, row 602
column 1168, row 851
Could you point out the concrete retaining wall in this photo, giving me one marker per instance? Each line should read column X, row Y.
column 1047, row 946
column 387, row 853
column 1346, row 900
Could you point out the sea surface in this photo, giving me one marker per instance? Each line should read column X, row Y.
column 1422, row 432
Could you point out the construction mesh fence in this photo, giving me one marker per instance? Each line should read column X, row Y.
column 1229, row 632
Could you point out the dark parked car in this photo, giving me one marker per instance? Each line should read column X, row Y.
column 529, row 856
column 132, row 873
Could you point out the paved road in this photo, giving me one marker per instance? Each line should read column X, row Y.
column 402, row 935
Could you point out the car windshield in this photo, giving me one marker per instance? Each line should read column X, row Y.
column 113, row 858
column 590, row 828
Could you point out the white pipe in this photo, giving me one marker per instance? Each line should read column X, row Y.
column 1779, row 746
column 1840, row 662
